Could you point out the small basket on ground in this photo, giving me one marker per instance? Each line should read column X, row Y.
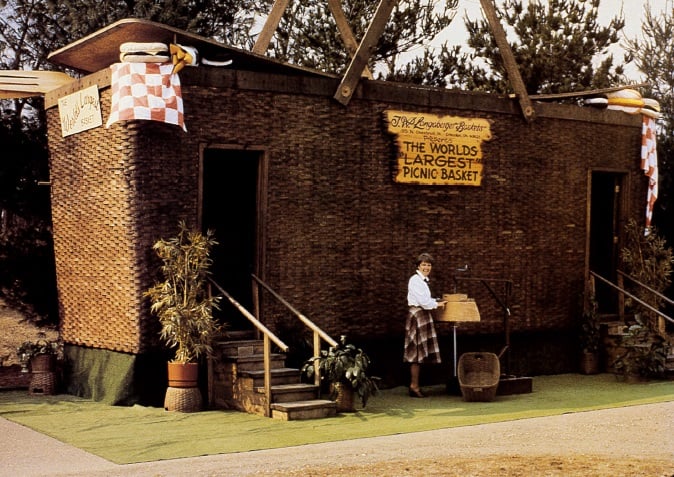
column 478, row 375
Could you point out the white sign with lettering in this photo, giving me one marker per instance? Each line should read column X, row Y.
column 80, row 111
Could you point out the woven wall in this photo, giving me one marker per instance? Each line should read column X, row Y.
column 114, row 192
column 341, row 235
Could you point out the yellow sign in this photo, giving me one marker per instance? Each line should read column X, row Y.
column 438, row 150
column 80, row 111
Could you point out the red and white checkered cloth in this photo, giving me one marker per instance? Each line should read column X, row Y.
column 649, row 164
column 146, row 91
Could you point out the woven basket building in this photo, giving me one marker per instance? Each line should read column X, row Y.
column 306, row 193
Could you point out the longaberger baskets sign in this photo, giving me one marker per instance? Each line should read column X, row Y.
column 438, row 150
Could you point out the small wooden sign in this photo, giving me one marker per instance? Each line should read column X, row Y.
column 80, row 111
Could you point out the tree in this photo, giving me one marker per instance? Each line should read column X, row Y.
column 308, row 35
column 557, row 46
column 26, row 251
column 652, row 54
column 31, row 29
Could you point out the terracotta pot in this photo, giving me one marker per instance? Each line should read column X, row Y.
column 635, row 378
column 589, row 363
column 183, row 375
column 345, row 398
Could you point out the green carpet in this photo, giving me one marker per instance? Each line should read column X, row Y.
column 138, row 434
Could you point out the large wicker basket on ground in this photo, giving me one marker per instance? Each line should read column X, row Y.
column 478, row 375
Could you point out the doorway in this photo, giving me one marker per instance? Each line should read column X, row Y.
column 606, row 221
column 229, row 206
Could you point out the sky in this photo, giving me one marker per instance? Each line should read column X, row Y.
column 632, row 9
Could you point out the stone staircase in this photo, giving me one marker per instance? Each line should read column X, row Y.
column 669, row 366
column 611, row 333
column 236, row 381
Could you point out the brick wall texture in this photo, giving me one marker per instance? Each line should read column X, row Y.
column 340, row 236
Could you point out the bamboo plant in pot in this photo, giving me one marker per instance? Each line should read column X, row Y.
column 183, row 303
column 345, row 368
column 590, row 338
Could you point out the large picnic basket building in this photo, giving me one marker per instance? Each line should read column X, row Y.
column 329, row 204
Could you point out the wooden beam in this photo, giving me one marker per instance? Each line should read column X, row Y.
column 345, row 31
column 359, row 61
column 270, row 26
column 508, row 60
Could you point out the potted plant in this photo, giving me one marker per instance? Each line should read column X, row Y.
column 40, row 355
column 183, row 302
column 345, row 368
column 644, row 352
column 590, row 337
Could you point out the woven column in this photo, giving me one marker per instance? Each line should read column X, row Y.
column 43, row 383
column 183, row 399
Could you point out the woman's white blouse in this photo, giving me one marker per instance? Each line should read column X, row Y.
column 419, row 294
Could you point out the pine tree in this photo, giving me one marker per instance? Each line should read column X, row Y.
column 558, row 45
column 308, row 34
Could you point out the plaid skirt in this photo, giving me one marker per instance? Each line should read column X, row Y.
column 421, row 341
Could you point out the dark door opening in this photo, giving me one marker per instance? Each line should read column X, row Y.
column 605, row 223
column 229, row 208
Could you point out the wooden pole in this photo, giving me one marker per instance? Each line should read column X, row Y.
column 270, row 26
column 349, row 82
column 345, row 31
column 508, row 60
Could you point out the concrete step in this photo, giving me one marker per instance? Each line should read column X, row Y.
column 302, row 410
column 291, row 392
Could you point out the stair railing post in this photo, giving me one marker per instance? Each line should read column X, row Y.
column 317, row 353
column 267, row 375
column 621, row 298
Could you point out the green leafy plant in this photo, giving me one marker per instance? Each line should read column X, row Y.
column 183, row 302
column 42, row 346
column 346, row 365
column 645, row 351
column 590, row 333
column 646, row 258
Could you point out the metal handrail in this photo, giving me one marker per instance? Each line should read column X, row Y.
column 643, row 285
column 641, row 302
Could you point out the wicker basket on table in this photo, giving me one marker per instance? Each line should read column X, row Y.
column 478, row 375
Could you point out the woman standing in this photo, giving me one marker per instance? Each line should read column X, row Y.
column 421, row 341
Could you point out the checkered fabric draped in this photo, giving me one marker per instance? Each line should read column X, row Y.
column 649, row 164
column 146, row 91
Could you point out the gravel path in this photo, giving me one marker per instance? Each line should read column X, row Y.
column 630, row 441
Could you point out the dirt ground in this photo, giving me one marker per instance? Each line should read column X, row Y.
column 511, row 466
column 589, row 447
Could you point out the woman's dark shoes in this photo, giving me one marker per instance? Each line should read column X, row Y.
column 416, row 393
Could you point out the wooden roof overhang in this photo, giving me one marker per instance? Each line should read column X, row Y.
column 99, row 50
